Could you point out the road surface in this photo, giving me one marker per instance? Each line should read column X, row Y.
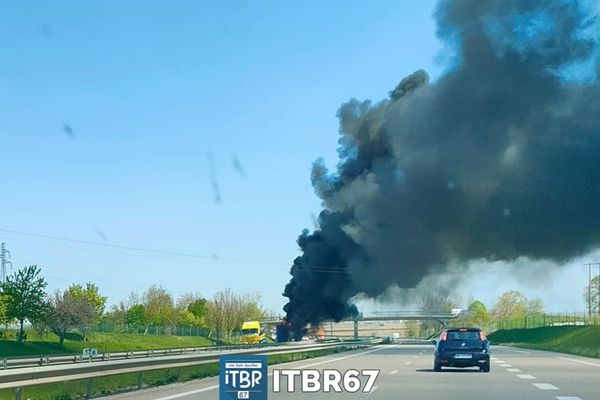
column 406, row 374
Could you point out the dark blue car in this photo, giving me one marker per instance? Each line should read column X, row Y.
column 462, row 348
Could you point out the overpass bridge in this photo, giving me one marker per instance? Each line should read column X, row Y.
column 381, row 316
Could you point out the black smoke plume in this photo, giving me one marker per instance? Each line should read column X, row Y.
column 497, row 159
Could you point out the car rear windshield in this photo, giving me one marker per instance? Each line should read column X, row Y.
column 463, row 335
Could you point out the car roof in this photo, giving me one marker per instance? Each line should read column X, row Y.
column 463, row 330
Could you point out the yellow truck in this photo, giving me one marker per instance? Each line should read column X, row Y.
column 252, row 333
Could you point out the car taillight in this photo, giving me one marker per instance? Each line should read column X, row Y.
column 482, row 336
column 443, row 336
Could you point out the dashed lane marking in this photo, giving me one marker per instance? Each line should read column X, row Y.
column 394, row 372
column 544, row 386
column 525, row 376
column 513, row 370
column 506, row 365
column 341, row 358
column 568, row 398
column 408, row 363
column 515, row 351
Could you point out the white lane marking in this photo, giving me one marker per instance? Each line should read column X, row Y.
column 497, row 361
column 513, row 370
column 340, row 358
column 579, row 361
column 544, row 386
column 568, row 398
column 408, row 363
column 374, row 389
column 506, row 365
column 184, row 394
column 526, row 376
column 515, row 351
column 394, row 372
column 206, row 389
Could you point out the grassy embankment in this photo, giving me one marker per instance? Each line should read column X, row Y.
column 105, row 342
column 578, row 340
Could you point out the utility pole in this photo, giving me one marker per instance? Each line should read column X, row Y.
column 3, row 262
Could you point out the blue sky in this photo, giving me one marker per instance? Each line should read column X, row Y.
column 149, row 89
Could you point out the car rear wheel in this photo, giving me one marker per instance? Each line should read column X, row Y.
column 437, row 367
column 485, row 368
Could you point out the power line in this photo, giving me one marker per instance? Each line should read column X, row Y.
column 71, row 282
column 98, row 250
column 123, row 247
column 304, row 267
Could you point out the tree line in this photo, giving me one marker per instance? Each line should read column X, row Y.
column 25, row 301
column 222, row 314
column 510, row 305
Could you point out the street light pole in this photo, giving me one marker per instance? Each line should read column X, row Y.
column 590, row 265
column 590, row 290
column 598, row 294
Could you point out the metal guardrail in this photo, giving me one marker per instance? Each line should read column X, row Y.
column 23, row 377
column 46, row 360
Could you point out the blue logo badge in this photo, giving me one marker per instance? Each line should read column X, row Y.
column 243, row 377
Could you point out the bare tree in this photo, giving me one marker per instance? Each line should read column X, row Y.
column 66, row 312
column 227, row 311
column 159, row 306
column 215, row 314
column 231, row 306
column 249, row 309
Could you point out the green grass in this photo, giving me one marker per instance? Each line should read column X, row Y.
column 104, row 342
column 75, row 390
column 579, row 340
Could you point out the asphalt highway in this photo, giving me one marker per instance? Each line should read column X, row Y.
column 406, row 373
